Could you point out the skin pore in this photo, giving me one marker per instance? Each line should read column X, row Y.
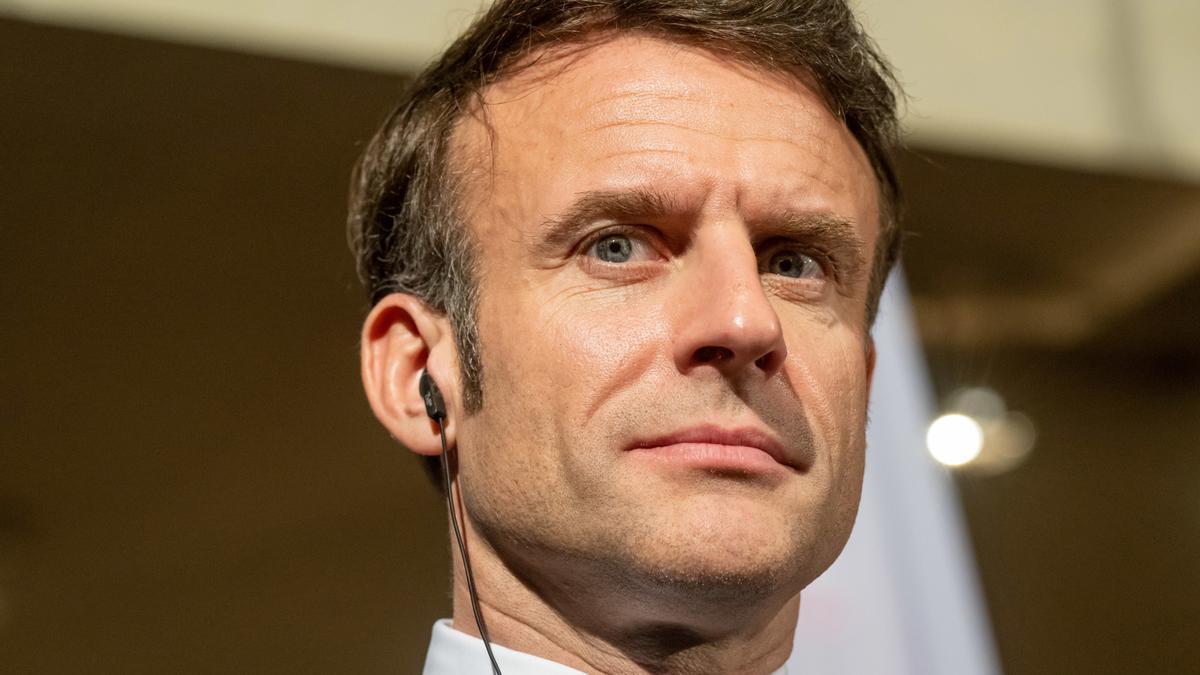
column 669, row 241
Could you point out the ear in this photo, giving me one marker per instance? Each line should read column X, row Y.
column 400, row 338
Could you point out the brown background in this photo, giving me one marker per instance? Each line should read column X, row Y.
column 191, row 481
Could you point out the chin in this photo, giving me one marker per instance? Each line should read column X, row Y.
column 706, row 590
column 723, row 554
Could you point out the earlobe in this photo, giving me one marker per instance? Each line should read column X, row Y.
column 398, row 338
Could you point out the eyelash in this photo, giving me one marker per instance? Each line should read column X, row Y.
column 827, row 263
column 632, row 231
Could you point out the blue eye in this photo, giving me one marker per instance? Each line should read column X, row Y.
column 613, row 248
column 788, row 263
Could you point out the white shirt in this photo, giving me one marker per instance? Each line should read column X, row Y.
column 452, row 652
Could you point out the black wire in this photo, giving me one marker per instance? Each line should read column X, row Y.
column 487, row 644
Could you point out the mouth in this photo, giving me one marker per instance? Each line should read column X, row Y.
column 743, row 450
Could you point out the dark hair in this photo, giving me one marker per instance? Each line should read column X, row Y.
column 403, row 221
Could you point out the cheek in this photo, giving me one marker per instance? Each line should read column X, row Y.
column 577, row 348
column 828, row 370
column 597, row 348
column 554, row 366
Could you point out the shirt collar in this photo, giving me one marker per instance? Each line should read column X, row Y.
column 453, row 652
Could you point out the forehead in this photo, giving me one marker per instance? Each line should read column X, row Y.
column 624, row 112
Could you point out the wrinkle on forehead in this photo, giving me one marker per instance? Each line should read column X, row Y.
column 624, row 94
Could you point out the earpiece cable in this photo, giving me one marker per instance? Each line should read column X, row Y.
column 462, row 549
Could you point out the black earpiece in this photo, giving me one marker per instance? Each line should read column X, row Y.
column 435, row 407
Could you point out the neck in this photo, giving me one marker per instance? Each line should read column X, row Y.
column 591, row 624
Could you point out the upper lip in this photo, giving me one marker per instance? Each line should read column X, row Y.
column 717, row 435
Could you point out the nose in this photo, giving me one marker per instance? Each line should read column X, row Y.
column 723, row 317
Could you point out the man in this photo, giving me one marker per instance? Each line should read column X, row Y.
column 638, row 246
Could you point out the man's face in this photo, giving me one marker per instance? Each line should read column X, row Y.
column 673, row 273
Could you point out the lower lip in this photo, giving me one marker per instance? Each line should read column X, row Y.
column 713, row 457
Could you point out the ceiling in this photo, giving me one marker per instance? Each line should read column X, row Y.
column 1008, row 254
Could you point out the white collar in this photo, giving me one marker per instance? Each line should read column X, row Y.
column 453, row 652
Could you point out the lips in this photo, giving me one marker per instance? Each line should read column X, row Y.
column 710, row 446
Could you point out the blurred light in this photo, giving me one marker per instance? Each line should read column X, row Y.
column 979, row 402
column 954, row 439
column 1007, row 443
column 979, row 434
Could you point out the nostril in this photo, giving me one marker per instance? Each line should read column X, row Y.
column 767, row 361
column 713, row 354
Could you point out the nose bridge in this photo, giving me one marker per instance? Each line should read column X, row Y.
column 727, row 321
